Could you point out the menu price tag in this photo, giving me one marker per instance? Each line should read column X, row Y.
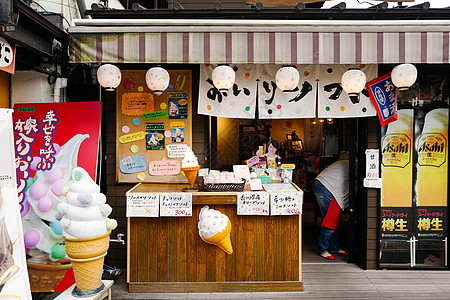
column 175, row 204
column 286, row 203
column 142, row 205
column 253, row 203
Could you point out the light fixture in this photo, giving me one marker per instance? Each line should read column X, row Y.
column 109, row 76
column 353, row 81
column 157, row 80
column 330, row 121
column 223, row 77
column 404, row 75
column 287, row 78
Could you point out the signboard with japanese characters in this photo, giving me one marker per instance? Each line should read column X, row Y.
column 142, row 205
column 46, row 135
column 383, row 94
column 7, row 56
column 396, row 223
column 253, row 203
column 175, row 204
column 372, row 179
column 289, row 203
column 156, row 129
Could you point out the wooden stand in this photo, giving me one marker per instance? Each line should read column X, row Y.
column 67, row 295
column 166, row 254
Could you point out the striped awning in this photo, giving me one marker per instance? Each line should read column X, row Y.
column 255, row 42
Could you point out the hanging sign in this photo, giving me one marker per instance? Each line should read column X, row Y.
column 372, row 179
column 383, row 94
column 7, row 56
column 175, row 204
column 142, row 205
column 286, row 203
column 253, row 203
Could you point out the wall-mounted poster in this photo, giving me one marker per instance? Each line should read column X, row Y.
column 13, row 267
column 155, row 136
column 178, row 105
column 51, row 139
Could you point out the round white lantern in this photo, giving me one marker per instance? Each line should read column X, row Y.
column 223, row 78
column 353, row 81
column 109, row 76
column 287, row 78
column 157, row 80
column 404, row 75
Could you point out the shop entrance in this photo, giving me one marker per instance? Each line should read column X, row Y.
column 311, row 145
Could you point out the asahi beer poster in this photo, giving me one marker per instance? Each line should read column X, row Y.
column 397, row 177
column 432, row 176
column 14, row 282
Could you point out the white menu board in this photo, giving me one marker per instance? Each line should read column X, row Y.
column 289, row 203
column 142, row 205
column 253, row 203
column 175, row 204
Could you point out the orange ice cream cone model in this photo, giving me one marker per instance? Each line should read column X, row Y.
column 214, row 228
column 191, row 174
column 221, row 239
column 87, row 257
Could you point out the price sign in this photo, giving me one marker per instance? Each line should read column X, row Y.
column 253, row 203
column 142, row 205
column 175, row 204
column 286, row 203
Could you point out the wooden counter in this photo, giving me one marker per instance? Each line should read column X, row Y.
column 166, row 254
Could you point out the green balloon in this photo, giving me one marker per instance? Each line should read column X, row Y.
column 58, row 251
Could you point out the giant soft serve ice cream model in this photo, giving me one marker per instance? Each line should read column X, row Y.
column 214, row 228
column 86, row 230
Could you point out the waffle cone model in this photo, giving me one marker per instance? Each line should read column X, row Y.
column 87, row 257
column 221, row 239
column 44, row 277
column 191, row 174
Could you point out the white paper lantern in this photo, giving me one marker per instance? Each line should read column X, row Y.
column 287, row 78
column 404, row 75
column 157, row 79
column 353, row 81
column 223, row 78
column 109, row 76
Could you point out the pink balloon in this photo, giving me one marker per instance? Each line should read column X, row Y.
column 26, row 208
column 32, row 238
column 45, row 204
column 54, row 174
column 58, row 186
column 57, row 148
column 34, row 163
column 37, row 191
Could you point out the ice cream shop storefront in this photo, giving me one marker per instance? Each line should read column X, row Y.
column 163, row 133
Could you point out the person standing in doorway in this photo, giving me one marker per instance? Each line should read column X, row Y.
column 331, row 190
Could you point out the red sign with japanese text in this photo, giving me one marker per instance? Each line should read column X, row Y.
column 46, row 135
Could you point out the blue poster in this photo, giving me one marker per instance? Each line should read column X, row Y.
column 383, row 94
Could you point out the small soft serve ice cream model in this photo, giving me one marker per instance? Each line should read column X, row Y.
column 86, row 230
column 190, row 166
column 214, row 228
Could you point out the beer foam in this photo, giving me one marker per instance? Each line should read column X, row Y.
column 436, row 120
column 403, row 123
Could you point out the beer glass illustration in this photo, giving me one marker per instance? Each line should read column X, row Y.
column 397, row 168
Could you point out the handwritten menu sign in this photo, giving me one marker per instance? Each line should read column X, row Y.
column 133, row 164
column 174, row 151
column 137, row 103
column 286, row 203
column 142, row 205
column 251, row 203
column 175, row 204
column 164, row 167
